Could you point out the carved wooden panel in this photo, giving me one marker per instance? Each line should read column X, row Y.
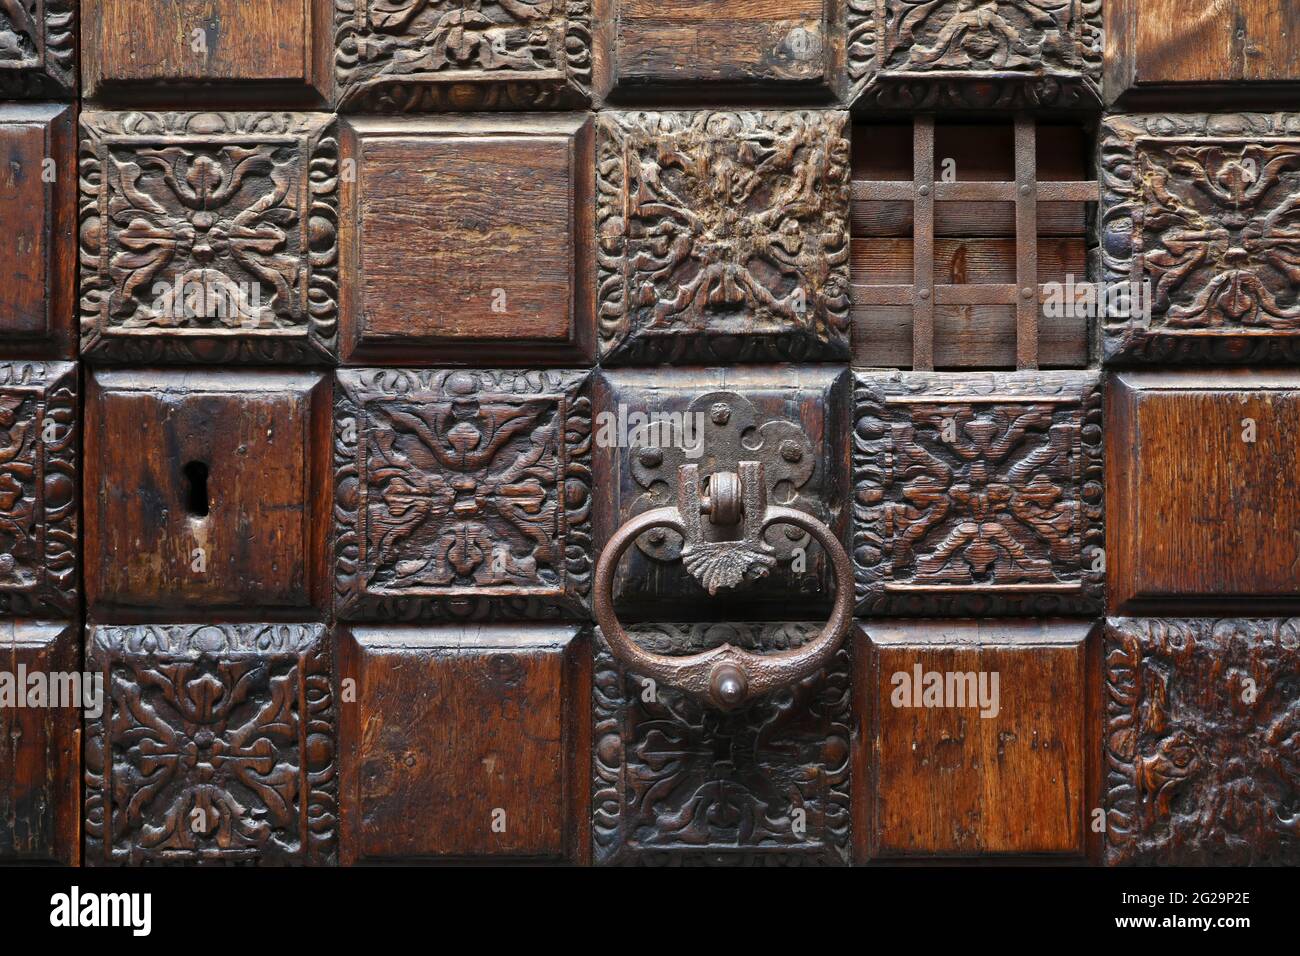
column 978, row 494
column 257, row 53
column 1202, row 490
column 208, row 492
column 38, row 49
column 678, row 782
column 462, row 494
column 209, row 237
column 40, row 742
column 216, row 745
column 39, row 485
column 701, row 50
column 466, row 237
column 1202, row 209
column 958, row 54
column 650, row 422
column 979, row 740
column 465, row 742
column 1202, row 742
column 397, row 55
column 37, row 208
column 722, row 236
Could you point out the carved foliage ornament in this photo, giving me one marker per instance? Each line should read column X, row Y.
column 1206, row 209
column 1203, row 742
column 462, row 494
column 209, row 237
column 978, row 494
column 217, row 745
column 723, row 236
column 38, row 49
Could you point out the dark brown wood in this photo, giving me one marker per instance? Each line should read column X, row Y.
column 464, row 742
column 209, row 492
column 1201, row 485
column 40, row 740
column 38, row 49
column 468, row 236
column 216, row 746
column 979, row 740
column 37, row 244
column 1200, row 739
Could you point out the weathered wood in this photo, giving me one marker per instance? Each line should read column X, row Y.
column 38, row 49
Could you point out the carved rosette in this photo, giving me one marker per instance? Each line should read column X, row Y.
column 38, row 49
column 723, row 236
column 462, row 494
column 422, row 55
column 677, row 782
column 209, row 237
column 38, row 489
column 958, row 54
column 1202, row 742
column 1204, row 209
column 978, row 494
column 216, row 745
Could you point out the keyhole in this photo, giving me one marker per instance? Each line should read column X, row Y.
column 196, row 488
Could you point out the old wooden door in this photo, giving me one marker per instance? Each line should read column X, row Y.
column 614, row 431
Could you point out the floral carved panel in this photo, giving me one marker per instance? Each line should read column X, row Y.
column 1202, row 742
column 38, row 49
column 978, row 494
column 38, row 488
column 209, row 237
column 216, row 745
column 1204, row 212
column 723, row 236
column 681, row 783
column 462, row 494
column 400, row 55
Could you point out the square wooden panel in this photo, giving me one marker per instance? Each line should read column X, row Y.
column 1201, row 485
column 38, row 49
column 216, row 746
column 209, row 237
column 462, row 55
column 1199, row 211
column 462, row 494
column 468, row 237
column 209, row 491
column 37, row 246
column 39, row 489
column 40, row 742
column 464, row 742
column 1202, row 742
column 230, row 52
column 681, row 782
column 650, row 422
column 978, row 494
column 957, row 54
column 979, row 742
column 722, row 236
column 697, row 49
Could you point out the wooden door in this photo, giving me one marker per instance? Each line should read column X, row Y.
column 609, row 432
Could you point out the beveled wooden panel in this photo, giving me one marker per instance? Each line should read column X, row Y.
column 1202, row 717
column 679, row 782
column 398, row 55
column 979, row 740
column 464, row 742
column 229, row 52
column 39, row 489
column 216, row 746
column 1202, row 489
column 209, row 237
column 37, row 207
column 208, row 490
column 468, row 235
column 1201, row 209
column 38, row 49
column 40, row 742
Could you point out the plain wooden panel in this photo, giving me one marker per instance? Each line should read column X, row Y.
column 965, row 336
column 1218, row 42
column 965, row 261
